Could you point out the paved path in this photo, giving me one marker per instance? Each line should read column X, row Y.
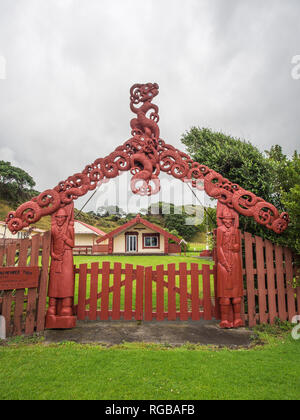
column 171, row 332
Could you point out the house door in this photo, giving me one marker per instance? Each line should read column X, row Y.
column 131, row 243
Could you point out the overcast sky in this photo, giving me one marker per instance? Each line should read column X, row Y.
column 223, row 64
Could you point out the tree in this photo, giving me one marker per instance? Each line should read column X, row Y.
column 288, row 175
column 178, row 222
column 235, row 159
column 16, row 185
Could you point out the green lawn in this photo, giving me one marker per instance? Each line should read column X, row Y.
column 151, row 260
column 145, row 371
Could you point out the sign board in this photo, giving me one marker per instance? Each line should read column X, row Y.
column 19, row 277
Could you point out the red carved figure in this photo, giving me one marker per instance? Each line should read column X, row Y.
column 61, row 281
column 229, row 270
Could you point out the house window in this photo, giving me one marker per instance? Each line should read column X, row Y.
column 151, row 240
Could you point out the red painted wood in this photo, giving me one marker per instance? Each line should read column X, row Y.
column 35, row 249
column 160, row 293
column 105, row 291
column 7, row 296
column 139, row 292
column 289, row 283
column 116, row 292
column 298, row 299
column 195, row 292
column 271, row 281
column 183, row 291
column 261, row 280
column 2, row 251
column 94, row 291
column 11, row 255
column 42, row 290
column 19, row 296
column 31, row 307
column 171, row 293
column 243, row 316
column 148, row 293
column 206, row 292
column 128, row 291
column 82, row 291
column 250, row 279
column 282, row 313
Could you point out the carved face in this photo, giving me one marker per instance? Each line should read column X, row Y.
column 60, row 217
column 60, row 220
column 228, row 222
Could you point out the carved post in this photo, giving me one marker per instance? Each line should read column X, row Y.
column 61, row 280
column 229, row 267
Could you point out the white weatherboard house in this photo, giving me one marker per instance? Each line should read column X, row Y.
column 138, row 236
column 85, row 235
column 28, row 232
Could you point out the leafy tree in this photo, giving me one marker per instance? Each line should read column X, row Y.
column 235, row 159
column 16, row 185
column 114, row 210
column 287, row 189
column 178, row 222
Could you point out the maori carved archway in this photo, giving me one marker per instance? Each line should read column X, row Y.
column 145, row 155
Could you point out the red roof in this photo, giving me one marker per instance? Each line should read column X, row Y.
column 93, row 228
column 136, row 221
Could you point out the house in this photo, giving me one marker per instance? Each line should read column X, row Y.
column 138, row 236
column 85, row 237
column 7, row 236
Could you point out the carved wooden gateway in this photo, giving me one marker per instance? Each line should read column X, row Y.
column 145, row 155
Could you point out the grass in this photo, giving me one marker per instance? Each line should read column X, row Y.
column 31, row 370
column 145, row 260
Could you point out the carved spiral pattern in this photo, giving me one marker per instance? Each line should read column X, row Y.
column 145, row 155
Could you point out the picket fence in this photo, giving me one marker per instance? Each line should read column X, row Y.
column 24, row 308
column 145, row 293
column 270, row 281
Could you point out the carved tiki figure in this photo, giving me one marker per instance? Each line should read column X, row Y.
column 229, row 269
column 61, row 280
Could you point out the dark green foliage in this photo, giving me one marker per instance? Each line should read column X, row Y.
column 237, row 160
column 173, row 219
column 16, row 185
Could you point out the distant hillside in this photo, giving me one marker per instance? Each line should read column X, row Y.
column 103, row 223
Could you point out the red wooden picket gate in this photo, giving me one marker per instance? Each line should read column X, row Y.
column 144, row 293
